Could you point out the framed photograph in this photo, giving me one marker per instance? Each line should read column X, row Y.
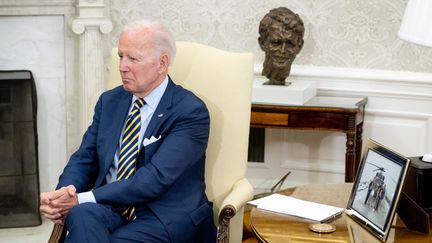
column 377, row 188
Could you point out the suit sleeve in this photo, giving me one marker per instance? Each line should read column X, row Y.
column 181, row 148
column 81, row 170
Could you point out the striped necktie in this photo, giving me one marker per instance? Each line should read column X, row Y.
column 129, row 150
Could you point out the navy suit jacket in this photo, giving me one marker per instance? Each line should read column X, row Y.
column 170, row 172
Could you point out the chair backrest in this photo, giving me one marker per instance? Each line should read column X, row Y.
column 223, row 80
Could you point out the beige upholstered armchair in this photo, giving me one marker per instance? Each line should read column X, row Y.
column 223, row 80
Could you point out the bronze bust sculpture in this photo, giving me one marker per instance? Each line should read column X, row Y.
column 281, row 38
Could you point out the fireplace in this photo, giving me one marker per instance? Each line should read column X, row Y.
column 19, row 181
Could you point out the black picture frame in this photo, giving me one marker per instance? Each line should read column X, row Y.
column 377, row 189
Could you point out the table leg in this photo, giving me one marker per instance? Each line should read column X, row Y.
column 350, row 150
column 358, row 147
column 350, row 157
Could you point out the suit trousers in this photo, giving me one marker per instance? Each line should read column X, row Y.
column 93, row 222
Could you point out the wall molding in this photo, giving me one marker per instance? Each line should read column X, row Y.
column 399, row 114
column 323, row 166
column 376, row 93
column 383, row 84
column 355, row 74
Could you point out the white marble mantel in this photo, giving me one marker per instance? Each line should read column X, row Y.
column 39, row 37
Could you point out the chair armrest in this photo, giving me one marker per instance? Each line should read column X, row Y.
column 241, row 193
column 58, row 234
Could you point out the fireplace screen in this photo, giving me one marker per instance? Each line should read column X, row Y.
column 19, row 182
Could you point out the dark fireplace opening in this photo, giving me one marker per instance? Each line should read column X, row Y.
column 19, row 180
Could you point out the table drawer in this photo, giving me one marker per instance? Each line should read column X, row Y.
column 319, row 120
column 272, row 119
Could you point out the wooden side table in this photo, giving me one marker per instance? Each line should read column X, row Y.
column 341, row 114
column 274, row 227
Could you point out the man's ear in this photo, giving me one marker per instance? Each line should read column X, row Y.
column 163, row 62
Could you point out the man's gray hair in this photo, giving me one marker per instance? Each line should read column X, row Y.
column 163, row 40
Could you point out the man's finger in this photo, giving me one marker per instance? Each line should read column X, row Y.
column 58, row 193
column 53, row 216
column 71, row 190
column 44, row 198
column 58, row 221
column 48, row 210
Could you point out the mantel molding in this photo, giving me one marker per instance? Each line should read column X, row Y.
column 91, row 14
column 31, row 7
column 39, row 3
column 79, row 25
column 90, row 24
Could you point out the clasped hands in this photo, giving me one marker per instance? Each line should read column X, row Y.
column 56, row 204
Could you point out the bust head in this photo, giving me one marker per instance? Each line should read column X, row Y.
column 281, row 38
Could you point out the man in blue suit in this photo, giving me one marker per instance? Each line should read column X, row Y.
column 138, row 175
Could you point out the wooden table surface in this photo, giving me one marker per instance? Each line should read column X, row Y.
column 274, row 227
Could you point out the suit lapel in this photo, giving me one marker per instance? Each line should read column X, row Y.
column 118, row 111
column 162, row 110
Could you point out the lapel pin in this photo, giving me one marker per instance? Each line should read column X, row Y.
column 160, row 115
